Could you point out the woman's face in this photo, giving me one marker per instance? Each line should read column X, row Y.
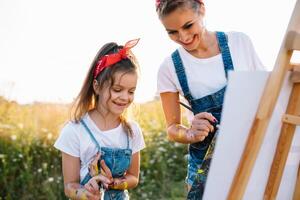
column 121, row 94
column 185, row 27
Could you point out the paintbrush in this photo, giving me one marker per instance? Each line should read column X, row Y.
column 215, row 124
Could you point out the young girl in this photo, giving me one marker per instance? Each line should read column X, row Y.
column 197, row 71
column 99, row 132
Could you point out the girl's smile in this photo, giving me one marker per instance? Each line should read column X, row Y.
column 121, row 94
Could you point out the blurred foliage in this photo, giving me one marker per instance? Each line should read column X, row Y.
column 30, row 167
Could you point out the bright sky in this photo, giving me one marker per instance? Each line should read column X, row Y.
column 46, row 47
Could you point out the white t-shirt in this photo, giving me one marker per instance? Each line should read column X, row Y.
column 75, row 140
column 206, row 75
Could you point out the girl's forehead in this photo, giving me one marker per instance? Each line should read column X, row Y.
column 125, row 79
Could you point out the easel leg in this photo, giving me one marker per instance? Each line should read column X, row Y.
column 297, row 187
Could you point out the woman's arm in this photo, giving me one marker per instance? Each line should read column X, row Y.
column 200, row 126
column 131, row 178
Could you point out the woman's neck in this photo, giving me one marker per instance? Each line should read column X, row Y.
column 208, row 46
column 104, row 120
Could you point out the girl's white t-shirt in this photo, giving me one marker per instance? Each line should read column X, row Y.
column 76, row 141
column 206, row 75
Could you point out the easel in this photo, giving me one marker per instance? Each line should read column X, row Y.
column 290, row 120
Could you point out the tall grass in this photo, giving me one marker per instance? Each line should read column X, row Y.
column 30, row 168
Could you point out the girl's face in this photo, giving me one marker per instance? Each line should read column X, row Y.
column 185, row 27
column 119, row 97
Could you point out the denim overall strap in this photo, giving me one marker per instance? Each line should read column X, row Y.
column 127, row 141
column 226, row 57
column 91, row 134
column 181, row 75
column 88, row 176
column 198, row 186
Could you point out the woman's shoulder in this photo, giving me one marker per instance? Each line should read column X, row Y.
column 235, row 36
column 167, row 61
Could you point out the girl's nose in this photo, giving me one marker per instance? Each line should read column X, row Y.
column 125, row 96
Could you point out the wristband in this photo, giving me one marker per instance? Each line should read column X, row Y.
column 122, row 186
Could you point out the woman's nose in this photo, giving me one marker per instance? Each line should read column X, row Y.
column 183, row 36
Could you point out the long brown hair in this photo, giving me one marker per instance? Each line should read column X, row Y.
column 165, row 7
column 87, row 99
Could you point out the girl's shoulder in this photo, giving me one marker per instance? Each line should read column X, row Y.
column 70, row 128
column 135, row 126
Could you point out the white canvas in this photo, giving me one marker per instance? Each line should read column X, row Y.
column 241, row 101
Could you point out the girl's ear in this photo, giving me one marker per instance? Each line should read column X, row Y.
column 96, row 87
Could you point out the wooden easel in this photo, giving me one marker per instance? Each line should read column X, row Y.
column 290, row 120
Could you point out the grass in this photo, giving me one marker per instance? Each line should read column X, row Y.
column 30, row 168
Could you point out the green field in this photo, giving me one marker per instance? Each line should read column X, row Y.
column 30, row 168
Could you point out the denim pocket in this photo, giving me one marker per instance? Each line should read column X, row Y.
column 200, row 145
column 196, row 155
column 215, row 111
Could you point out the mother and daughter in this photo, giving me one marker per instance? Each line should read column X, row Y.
column 100, row 148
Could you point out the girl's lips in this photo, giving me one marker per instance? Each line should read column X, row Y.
column 121, row 104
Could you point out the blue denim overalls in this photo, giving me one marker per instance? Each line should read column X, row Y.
column 118, row 161
column 211, row 103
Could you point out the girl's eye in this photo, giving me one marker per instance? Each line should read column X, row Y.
column 117, row 90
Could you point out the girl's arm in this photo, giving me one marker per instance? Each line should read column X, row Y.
column 175, row 130
column 131, row 178
column 71, row 171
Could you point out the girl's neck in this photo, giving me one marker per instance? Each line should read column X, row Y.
column 104, row 121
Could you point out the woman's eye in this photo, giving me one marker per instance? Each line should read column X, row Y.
column 171, row 32
column 188, row 26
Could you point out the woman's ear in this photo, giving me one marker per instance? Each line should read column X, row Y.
column 96, row 87
column 202, row 10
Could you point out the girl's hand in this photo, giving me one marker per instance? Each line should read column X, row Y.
column 105, row 171
column 201, row 127
column 93, row 184
column 84, row 194
column 119, row 184
column 93, row 166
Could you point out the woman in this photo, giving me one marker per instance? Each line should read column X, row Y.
column 197, row 71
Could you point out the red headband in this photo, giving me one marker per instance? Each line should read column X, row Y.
column 111, row 59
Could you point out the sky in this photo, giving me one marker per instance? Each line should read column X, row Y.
column 46, row 47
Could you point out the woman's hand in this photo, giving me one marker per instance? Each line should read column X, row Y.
column 201, row 126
